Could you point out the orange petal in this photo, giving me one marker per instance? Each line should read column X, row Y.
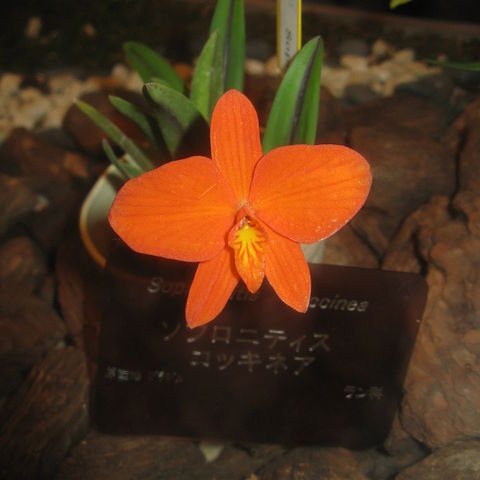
column 211, row 288
column 306, row 192
column 247, row 239
column 182, row 210
column 287, row 271
column 235, row 140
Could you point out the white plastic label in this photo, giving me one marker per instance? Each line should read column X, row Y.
column 289, row 32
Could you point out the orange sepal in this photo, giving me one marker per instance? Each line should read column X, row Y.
column 287, row 271
column 182, row 210
column 211, row 288
column 235, row 140
column 307, row 193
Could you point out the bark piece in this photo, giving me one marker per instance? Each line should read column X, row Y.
column 408, row 169
column 48, row 290
column 29, row 327
column 59, row 215
column 460, row 460
column 46, row 417
column 441, row 402
column 71, row 295
column 402, row 448
column 102, row 456
column 23, row 267
column 402, row 253
column 469, row 164
column 313, row 464
column 29, row 155
column 402, row 111
column 347, row 248
column 17, row 199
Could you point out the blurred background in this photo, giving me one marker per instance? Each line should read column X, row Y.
column 460, row 10
column 50, row 34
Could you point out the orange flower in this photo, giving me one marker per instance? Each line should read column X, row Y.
column 242, row 214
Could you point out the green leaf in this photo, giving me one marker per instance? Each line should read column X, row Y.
column 107, row 148
column 116, row 135
column 125, row 164
column 397, row 3
column 150, row 64
column 174, row 112
column 294, row 114
column 229, row 20
column 207, row 83
column 145, row 122
column 470, row 66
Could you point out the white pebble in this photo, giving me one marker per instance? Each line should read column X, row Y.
column 31, row 113
column 403, row 56
column 210, row 450
column 134, row 82
column 54, row 117
column 33, row 28
column 354, row 62
column 22, row 119
column 360, row 77
column 271, row 67
column 389, row 87
column 89, row 30
column 335, row 79
column 380, row 49
column 58, row 83
column 254, row 67
column 120, row 73
column 382, row 72
column 91, row 84
column 10, row 84
column 30, row 94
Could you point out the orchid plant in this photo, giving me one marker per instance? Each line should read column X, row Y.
column 242, row 214
column 176, row 116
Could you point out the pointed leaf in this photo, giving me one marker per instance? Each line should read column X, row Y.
column 207, row 83
column 174, row 112
column 470, row 66
column 149, row 63
column 116, row 135
column 124, row 164
column 107, row 148
column 229, row 20
column 397, row 3
column 294, row 114
column 307, row 125
column 145, row 122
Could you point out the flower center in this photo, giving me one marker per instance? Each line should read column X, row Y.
column 247, row 239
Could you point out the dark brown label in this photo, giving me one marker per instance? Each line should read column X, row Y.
column 260, row 372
